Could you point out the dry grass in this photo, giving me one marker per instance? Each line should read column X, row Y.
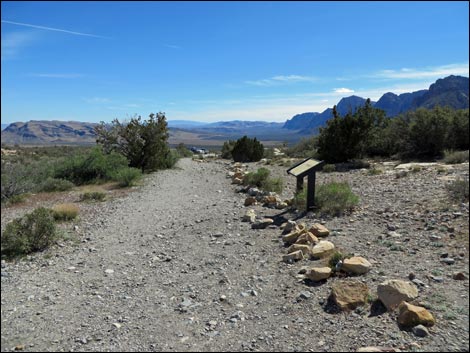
column 65, row 211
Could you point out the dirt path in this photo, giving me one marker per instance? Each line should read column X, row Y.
column 171, row 267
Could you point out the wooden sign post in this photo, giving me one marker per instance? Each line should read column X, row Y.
column 308, row 168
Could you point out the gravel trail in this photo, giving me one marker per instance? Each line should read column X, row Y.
column 170, row 267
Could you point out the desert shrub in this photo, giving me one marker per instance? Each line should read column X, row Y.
column 33, row 232
column 90, row 167
column 458, row 189
column 183, row 151
column 272, row 185
column 127, row 176
column 93, row 196
column 65, row 212
column 374, row 171
column 334, row 198
column 256, row 178
column 247, row 150
column 334, row 259
column 329, row 168
column 18, row 198
column 143, row 143
column 455, row 157
column 52, row 184
column 227, row 149
column 300, row 200
column 305, row 148
column 261, row 179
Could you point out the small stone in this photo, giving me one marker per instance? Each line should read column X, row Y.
column 305, row 295
column 250, row 201
column 263, row 223
column 294, row 256
column 109, row 271
column 322, row 249
column 305, row 248
column 117, row 325
column 20, row 347
column 420, row 331
column 448, row 260
column 222, row 298
column 459, row 276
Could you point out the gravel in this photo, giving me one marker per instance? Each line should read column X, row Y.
column 162, row 268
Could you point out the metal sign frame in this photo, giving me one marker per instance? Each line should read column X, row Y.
column 307, row 167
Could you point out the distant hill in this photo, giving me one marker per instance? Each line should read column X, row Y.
column 37, row 132
column 452, row 91
column 4, row 126
column 185, row 124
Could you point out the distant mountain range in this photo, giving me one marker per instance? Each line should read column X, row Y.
column 451, row 91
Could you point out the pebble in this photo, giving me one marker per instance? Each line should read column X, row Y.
column 420, row 331
column 448, row 260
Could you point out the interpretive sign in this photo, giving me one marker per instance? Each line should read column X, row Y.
column 307, row 167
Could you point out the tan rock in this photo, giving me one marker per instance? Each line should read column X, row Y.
column 356, row 265
column 306, row 249
column 250, row 200
column 270, row 200
column 411, row 315
column 348, row 295
column 237, row 181
column 294, row 235
column 307, row 238
column 281, row 205
column 288, row 227
column 318, row 273
column 319, row 230
column 323, row 249
column 294, row 256
column 250, row 216
column 263, row 223
column 393, row 292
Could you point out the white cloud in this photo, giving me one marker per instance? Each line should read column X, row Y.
column 13, row 42
column 343, row 90
column 52, row 29
column 422, row 73
column 281, row 79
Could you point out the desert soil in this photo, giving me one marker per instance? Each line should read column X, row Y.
column 171, row 267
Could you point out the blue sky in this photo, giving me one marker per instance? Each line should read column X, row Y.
column 212, row 61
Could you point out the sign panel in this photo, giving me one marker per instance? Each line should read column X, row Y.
column 304, row 167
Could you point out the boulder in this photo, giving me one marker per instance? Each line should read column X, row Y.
column 411, row 315
column 294, row 256
column 319, row 230
column 348, row 295
column 250, row 216
column 307, row 238
column 356, row 265
column 392, row 292
column 318, row 273
column 323, row 249
column 306, row 249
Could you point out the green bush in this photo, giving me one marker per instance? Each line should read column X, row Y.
column 374, row 171
column 52, row 184
column 33, row 232
column 90, row 167
column 261, row 179
column 335, row 198
column 305, row 148
column 455, row 157
column 127, row 176
column 458, row 189
column 329, row 168
column 247, row 150
column 183, row 151
column 334, row 259
column 256, row 178
column 93, row 196
column 300, row 200
column 227, row 149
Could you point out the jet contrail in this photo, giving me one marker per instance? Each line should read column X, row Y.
column 53, row 29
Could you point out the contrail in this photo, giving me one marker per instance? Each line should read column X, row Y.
column 53, row 29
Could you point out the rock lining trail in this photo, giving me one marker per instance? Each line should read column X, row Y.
column 171, row 267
